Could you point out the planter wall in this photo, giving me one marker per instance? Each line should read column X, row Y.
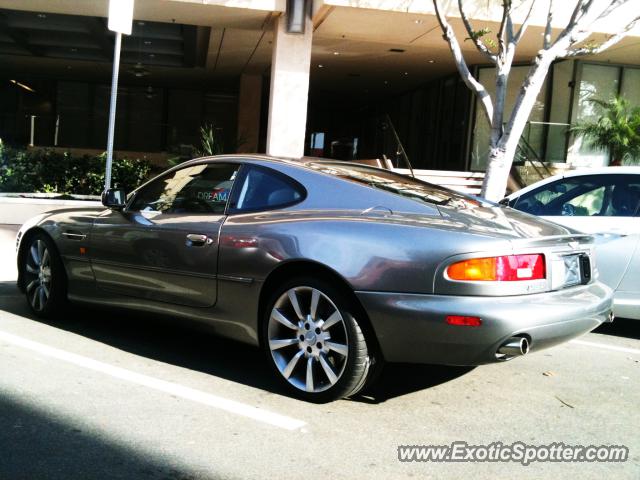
column 17, row 208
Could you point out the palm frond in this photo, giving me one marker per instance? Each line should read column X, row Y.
column 617, row 130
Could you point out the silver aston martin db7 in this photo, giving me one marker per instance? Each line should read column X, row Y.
column 330, row 267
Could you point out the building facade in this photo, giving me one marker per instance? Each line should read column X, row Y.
column 336, row 78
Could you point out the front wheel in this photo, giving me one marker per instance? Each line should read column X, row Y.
column 313, row 340
column 43, row 276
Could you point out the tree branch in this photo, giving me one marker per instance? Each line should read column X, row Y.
column 510, row 34
column 575, row 15
column 582, row 7
column 475, row 86
column 547, row 29
column 612, row 6
column 482, row 48
column 506, row 5
column 525, row 24
column 576, row 52
column 574, row 32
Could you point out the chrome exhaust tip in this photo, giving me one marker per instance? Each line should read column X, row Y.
column 514, row 347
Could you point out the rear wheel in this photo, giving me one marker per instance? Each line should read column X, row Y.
column 313, row 341
column 43, row 276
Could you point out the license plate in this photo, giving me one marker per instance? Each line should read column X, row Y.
column 572, row 270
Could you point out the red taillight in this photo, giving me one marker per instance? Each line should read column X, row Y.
column 463, row 321
column 507, row 268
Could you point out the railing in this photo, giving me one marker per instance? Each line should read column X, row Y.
column 549, row 139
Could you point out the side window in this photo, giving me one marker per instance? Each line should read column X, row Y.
column 625, row 199
column 541, row 200
column 263, row 189
column 201, row 188
column 587, row 195
column 589, row 203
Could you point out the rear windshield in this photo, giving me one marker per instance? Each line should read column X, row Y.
column 401, row 185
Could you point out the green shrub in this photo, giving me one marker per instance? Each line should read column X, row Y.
column 46, row 171
column 616, row 130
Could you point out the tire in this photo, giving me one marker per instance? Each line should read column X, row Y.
column 44, row 278
column 313, row 342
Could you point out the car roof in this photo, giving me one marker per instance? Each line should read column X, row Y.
column 260, row 157
column 622, row 170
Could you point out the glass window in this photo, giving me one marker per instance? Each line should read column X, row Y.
column 589, row 203
column 596, row 82
column 559, row 108
column 631, row 85
column 201, row 188
column 602, row 195
column 533, row 134
column 263, row 188
column 395, row 183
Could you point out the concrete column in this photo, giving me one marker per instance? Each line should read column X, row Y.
column 249, row 103
column 289, row 90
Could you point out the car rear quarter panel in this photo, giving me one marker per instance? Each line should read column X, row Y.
column 370, row 252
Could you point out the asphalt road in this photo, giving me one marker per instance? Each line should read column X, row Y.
column 106, row 395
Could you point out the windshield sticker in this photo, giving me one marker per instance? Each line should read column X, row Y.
column 215, row 195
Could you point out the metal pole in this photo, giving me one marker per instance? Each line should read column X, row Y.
column 55, row 135
column 33, row 131
column 112, row 110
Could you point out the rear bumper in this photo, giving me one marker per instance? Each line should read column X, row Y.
column 412, row 328
column 626, row 305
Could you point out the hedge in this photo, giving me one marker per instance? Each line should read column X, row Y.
column 47, row 171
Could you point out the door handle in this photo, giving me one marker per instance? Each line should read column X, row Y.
column 197, row 240
column 74, row 235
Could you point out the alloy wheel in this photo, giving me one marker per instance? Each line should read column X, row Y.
column 38, row 275
column 308, row 339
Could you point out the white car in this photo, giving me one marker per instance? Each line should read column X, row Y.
column 605, row 202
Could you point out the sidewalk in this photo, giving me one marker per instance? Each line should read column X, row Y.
column 8, row 270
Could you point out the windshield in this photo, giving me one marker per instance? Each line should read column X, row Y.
column 401, row 185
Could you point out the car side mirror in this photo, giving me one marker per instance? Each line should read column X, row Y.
column 114, row 198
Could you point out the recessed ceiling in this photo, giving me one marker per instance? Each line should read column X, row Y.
column 355, row 51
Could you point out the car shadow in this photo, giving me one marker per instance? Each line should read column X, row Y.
column 621, row 327
column 178, row 343
column 398, row 379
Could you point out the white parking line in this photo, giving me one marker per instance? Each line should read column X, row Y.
column 606, row 347
column 208, row 399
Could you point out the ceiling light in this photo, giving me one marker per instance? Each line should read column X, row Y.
column 23, row 86
column 336, row 53
column 406, row 73
column 432, row 61
column 320, row 66
column 139, row 70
